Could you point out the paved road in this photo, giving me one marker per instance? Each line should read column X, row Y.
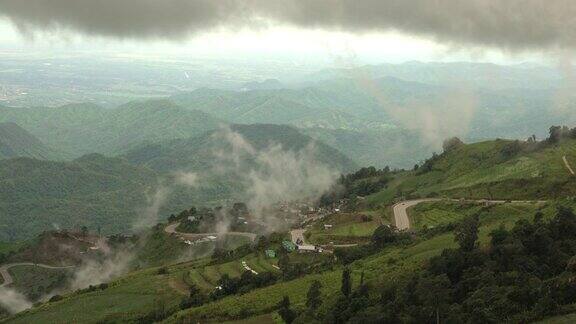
column 171, row 229
column 401, row 209
column 401, row 215
column 567, row 164
column 8, row 280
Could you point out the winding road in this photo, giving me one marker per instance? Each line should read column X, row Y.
column 171, row 229
column 401, row 209
column 8, row 280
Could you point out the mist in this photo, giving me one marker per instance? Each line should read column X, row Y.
column 94, row 272
column 512, row 24
column 115, row 262
column 273, row 174
column 13, row 301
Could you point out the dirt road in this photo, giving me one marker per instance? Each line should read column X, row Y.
column 171, row 229
column 401, row 209
column 567, row 164
column 8, row 280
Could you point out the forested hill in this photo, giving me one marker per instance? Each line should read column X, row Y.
column 80, row 129
column 198, row 153
column 17, row 142
column 93, row 191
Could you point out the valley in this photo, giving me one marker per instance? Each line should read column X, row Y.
column 217, row 205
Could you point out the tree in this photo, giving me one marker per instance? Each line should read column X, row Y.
column 451, row 144
column 466, row 234
column 283, row 260
column 314, row 296
column 383, row 235
column 434, row 292
column 287, row 314
column 84, row 231
column 195, row 298
column 346, row 282
column 499, row 235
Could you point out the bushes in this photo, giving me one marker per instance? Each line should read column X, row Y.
column 245, row 283
column 527, row 273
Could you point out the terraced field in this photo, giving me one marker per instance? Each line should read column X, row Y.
column 432, row 214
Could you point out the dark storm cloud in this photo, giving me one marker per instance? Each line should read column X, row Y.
column 124, row 18
column 510, row 24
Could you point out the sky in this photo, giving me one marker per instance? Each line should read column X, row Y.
column 357, row 35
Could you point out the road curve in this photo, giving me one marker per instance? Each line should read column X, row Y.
column 401, row 214
column 401, row 209
column 8, row 280
column 171, row 229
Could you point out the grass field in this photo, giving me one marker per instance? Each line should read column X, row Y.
column 346, row 228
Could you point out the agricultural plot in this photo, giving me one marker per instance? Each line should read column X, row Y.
column 344, row 228
column 433, row 214
column 207, row 277
column 123, row 301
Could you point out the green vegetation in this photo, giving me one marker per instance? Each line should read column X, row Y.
column 80, row 129
column 123, row 300
column 197, row 153
column 38, row 195
column 17, row 142
column 35, row 282
column 343, row 228
column 525, row 274
column 463, row 262
column 429, row 215
column 489, row 170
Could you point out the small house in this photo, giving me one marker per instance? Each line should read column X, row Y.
column 327, row 226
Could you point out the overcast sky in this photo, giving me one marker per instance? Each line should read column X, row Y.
column 370, row 31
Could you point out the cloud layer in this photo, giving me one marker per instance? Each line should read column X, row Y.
column 508, row 24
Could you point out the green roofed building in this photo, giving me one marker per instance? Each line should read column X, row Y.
column 271, row 254
column 289, row 246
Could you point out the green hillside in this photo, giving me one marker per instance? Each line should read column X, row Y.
column 199, row 153
column 146, row 292
column 86, row 128
column 499, row 169
column 17, row 142
column 397, row 269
